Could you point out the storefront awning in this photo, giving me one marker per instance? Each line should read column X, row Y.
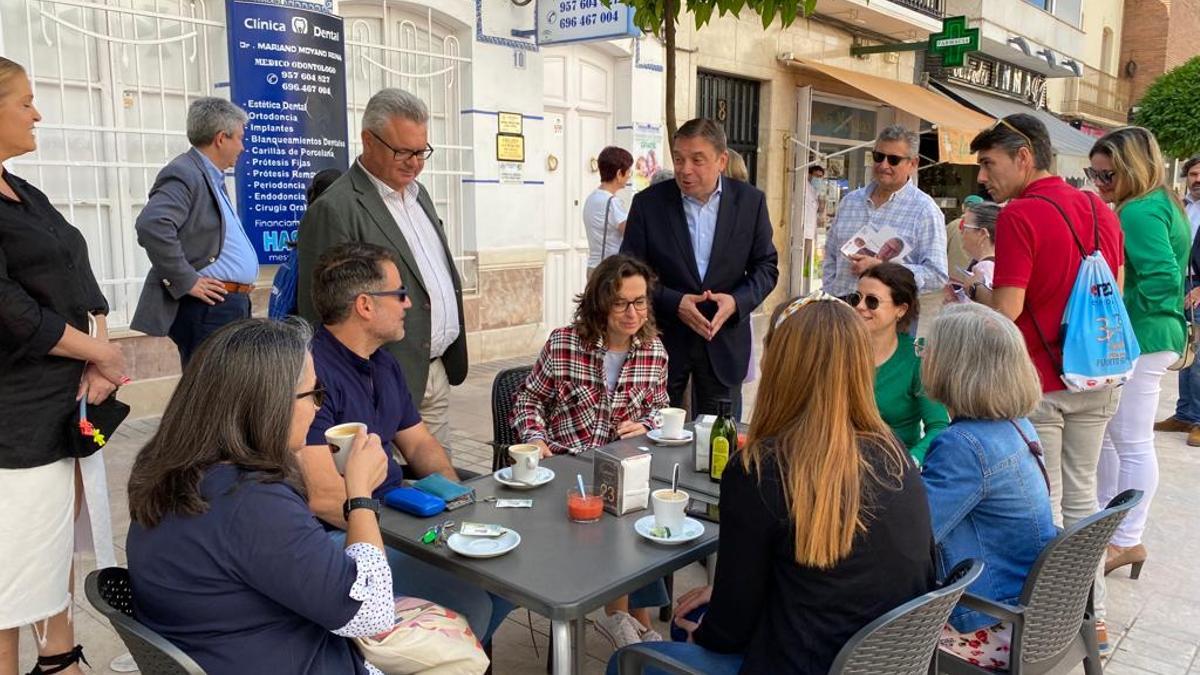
column 956, row 124
column 1071, row 146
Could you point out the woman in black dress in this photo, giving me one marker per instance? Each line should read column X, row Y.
column 48, row 361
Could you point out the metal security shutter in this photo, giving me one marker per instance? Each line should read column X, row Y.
column 732, row 102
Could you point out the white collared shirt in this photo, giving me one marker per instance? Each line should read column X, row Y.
column 432, row 263
column 1193, row 212
column 915, row 217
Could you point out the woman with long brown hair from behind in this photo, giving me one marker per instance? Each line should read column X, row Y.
column 824, row 521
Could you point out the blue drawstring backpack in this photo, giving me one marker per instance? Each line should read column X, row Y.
column 283, row 288
column 1099, row 346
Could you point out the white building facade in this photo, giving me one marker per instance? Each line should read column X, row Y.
column 113, row 81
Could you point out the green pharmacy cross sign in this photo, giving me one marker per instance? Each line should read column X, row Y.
column 952, row 44
column 955, row 41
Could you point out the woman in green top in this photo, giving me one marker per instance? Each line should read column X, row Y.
column 1127, row 169
column 887, row 302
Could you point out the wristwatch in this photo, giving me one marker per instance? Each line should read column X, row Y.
column 360, row 503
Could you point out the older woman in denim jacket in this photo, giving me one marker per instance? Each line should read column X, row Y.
column 988, row 492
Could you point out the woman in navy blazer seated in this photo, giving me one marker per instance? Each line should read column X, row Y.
column 225, row 557
column 988, row 492
column 709, row 241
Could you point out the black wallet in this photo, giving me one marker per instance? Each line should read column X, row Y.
column 92, row 425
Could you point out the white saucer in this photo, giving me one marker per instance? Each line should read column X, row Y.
column 504, row 477
column 692, row 529
column 483, row 547
column 656, row 436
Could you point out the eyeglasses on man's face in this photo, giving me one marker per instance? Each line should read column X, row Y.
column 400, row 294
column 893, row 160
column 405, row 154
column 1099, row 177
column 620, row 306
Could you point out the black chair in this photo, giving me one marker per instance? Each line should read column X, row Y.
column 901, row 642
column 1053, row 626
column 504, row 393
column 109, row 591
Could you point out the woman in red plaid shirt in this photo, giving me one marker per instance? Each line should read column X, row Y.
column 602, row 378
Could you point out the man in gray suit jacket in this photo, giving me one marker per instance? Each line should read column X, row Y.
column 203, row 266
column 379, row 201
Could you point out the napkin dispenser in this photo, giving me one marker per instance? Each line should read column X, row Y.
column 703, row 435
column 622, row 478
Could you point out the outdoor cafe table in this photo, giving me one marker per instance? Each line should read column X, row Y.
column 561, row 570
column 662, row 463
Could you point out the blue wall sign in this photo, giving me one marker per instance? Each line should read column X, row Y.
column 287, row 72
column 562, row 21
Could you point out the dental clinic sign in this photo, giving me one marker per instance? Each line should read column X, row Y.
column 287, row 71
column 563, row 21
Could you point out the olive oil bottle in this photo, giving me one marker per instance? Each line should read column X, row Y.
column 722, row 441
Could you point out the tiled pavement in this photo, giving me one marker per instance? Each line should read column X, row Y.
column 1155, row 621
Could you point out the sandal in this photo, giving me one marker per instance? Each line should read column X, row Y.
column 59, row 662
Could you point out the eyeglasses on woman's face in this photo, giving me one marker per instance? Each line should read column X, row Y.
column 620, row 306
column 871, row 301
column 317, row 393
column 1099, row 177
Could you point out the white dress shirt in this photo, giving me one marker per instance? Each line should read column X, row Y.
column 432, row 263
column 1193, row 212
column 915, row 217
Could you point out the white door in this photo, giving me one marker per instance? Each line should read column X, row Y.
column 578, row 104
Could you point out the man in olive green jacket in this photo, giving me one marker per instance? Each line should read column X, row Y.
column 379, row 201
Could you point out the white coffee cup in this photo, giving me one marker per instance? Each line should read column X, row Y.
column 525, row 461
column 672, row 422
column 669, row 509
column 339, row 438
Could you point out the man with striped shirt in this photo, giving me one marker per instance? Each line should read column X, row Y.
column 890, row 200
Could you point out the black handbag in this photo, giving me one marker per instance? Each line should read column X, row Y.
column 92, row 425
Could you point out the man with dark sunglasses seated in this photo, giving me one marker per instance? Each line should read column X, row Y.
column 889, row 200
column 361, row 300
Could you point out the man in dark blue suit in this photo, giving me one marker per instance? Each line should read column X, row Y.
column 709, row 240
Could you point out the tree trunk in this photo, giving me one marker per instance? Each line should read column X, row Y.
column 671, row 7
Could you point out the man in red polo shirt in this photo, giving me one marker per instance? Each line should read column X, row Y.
column 1037, row 261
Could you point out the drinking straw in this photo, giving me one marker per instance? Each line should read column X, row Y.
column 582, row 492
column 675, row 478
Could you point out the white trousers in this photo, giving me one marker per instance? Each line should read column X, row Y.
column 1128, row 459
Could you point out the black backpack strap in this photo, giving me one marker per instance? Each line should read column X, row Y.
column 1057, row 363
column 604, row 241
column 1095, row 222
column 1095, row 219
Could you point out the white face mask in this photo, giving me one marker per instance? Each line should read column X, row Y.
column 818, row 184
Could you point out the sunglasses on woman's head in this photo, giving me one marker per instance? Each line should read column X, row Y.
column 893, row 160
column 871, row 301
